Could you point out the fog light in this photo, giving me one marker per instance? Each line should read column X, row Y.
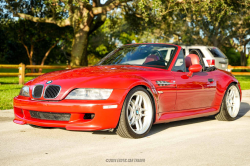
column 89, row 116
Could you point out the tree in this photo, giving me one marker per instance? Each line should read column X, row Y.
column 100, row 42
column 232, row 55
column 11, row 51
column 240, row 30
column 216, row 28
column 85, row 16
column 185, row 20
column 32, row 36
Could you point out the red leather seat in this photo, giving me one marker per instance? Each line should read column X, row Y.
column 192, row 59
column 151, row 58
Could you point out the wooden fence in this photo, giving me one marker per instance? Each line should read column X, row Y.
column 21, row 67
column 21, row 74
column 241, row 68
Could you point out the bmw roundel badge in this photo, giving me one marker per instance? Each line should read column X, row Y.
column 49, row 82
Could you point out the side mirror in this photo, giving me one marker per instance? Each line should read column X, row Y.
column 194, row 69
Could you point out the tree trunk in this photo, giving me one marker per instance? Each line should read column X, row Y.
column 31, row 56
column 242, row 59
column 215, row 42
column 46, row 55
column 84, row 59
column 80, row 41
column 29, row 53
column 31, row 62
column 79, row 48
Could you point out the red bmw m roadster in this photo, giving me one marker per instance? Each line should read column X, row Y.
column 130, row 89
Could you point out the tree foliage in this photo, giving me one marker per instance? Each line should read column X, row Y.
column 98, row 25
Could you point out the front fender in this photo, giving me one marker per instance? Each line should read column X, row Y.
column 127, row 82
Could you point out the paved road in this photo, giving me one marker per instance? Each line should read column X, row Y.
column 202, row 141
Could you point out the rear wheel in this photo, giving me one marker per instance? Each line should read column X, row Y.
column 137, row 114
column 230, row 106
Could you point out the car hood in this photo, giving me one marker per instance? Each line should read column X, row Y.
column 79, row 75
column 109, row 77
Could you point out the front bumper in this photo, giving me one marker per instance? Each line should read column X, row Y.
column 105, row 118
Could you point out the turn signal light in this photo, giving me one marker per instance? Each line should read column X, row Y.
column 210, row 62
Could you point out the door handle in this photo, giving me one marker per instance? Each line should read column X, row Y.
column 210, row 80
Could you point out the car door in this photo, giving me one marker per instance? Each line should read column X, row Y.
column 193, row 92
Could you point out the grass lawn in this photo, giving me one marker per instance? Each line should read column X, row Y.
column 9, row 88
column 244, row 82
column 239, row 70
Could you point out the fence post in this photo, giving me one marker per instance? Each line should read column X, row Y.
column 229, row 67
column 68, row 66
column 21, row 73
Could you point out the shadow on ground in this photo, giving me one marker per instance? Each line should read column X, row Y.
column 163, row 126
column 244, row 108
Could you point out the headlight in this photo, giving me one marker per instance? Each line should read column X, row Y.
column 90, row 94
column 25, row 91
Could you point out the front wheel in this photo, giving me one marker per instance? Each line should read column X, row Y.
column 137, row 114
column 230, row 106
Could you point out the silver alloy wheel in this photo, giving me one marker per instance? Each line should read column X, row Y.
column 233, row 101
column 139, row 112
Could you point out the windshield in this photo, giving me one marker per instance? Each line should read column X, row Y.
column 157, row 55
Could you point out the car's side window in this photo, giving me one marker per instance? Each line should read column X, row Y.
column 179, row 65
column 199, row 51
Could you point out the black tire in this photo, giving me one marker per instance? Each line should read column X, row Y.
column 124, row 129
column 224, row 115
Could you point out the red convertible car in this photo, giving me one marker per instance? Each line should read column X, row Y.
column 130, row 89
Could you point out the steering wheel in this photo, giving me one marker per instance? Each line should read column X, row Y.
column 157, row 53
column 161, row 60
